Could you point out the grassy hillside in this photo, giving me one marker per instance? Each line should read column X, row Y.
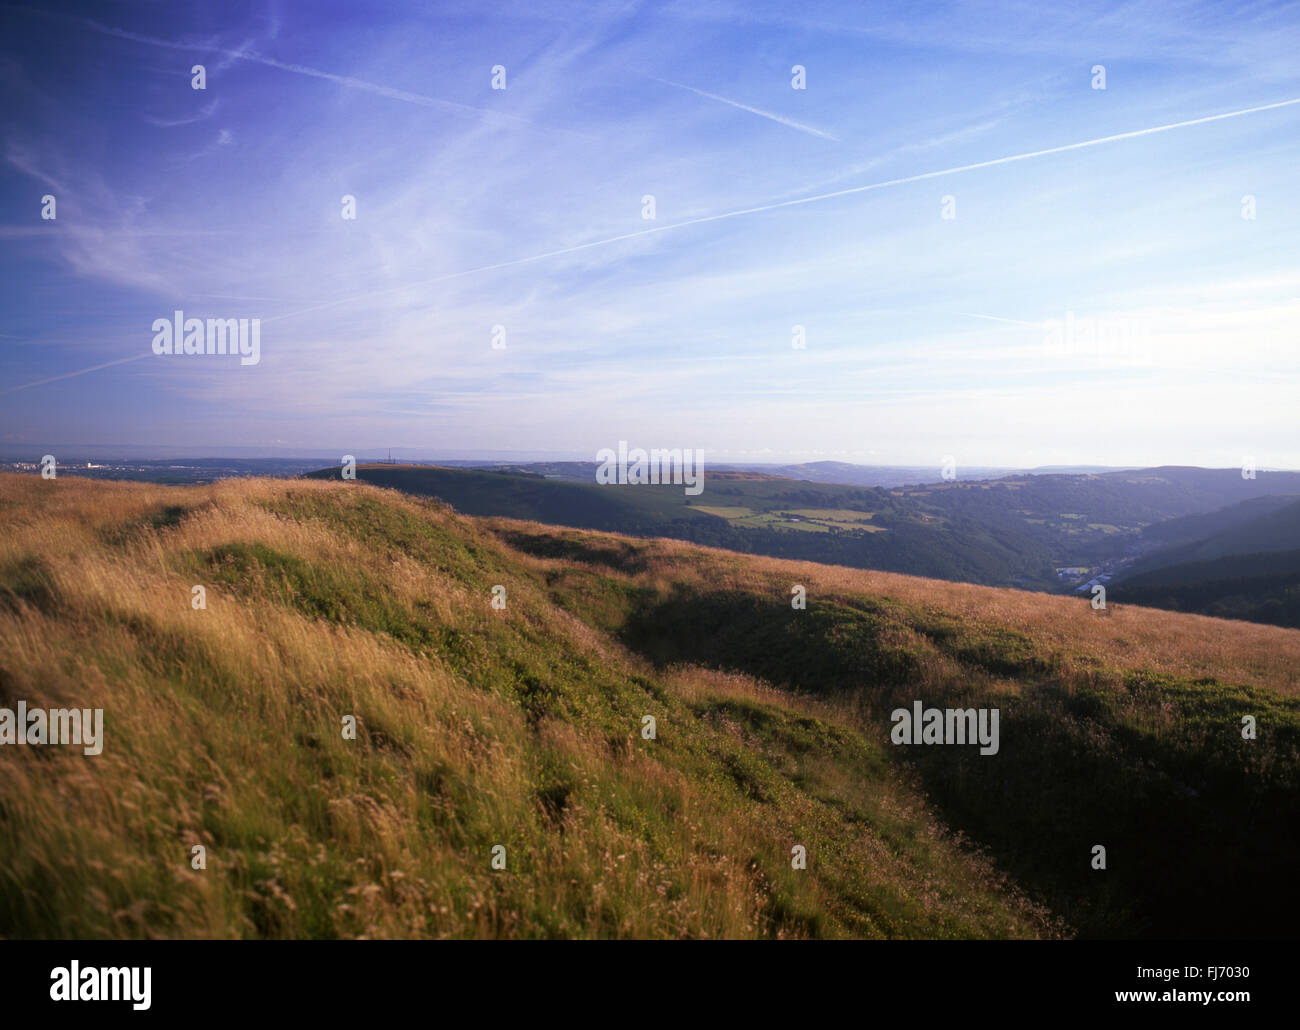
column 480, row 727
column 1258, row 587
column 1242, row 562
column 1192, row 528
column 1275, row 530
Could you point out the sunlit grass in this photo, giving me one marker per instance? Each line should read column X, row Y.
column 476, row 728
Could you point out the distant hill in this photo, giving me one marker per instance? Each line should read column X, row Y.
column 1137, row 498
column 1263, row 524
column 1013, row 531
column 1255, row 587
column 1198, row 527
column 847, row 474
column 863, row 527
column 842, row 473
column 1247, row 567
column 834, row 472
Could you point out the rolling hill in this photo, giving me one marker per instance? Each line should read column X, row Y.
column 1189, row 528
column 1242, row 562
column 1256, row 587
column 746, row 512
column 523, row 728
column 1016, row 531
column 1267, row 524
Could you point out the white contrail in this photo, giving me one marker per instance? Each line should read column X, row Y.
column 788, row 203
column 995, row 318
column 781, row 119
column 300, row 69
column 79, row 372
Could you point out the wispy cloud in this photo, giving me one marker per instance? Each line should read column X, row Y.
column 224, row 138
column 205, row 112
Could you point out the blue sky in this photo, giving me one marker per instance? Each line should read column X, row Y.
column 925, row 336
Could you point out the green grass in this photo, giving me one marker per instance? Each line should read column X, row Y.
column 1152, row 765
column 521, row 727
column 475, row 728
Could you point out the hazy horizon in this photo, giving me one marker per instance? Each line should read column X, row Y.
column 145, row 453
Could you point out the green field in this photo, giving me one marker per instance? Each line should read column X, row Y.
column 735, row 512
column 805, row 520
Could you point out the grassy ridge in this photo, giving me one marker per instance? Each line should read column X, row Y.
column 1122, row 729
column 476, row 728
column 479, row 727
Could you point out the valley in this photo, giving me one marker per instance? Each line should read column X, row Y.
column 1020, row 530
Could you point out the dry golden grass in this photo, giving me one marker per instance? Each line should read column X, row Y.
column 1176, row 642
column 476, row 728
column 1127, row 728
